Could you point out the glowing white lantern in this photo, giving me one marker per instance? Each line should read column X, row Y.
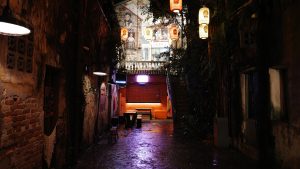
column 173, row 32
column 148, row 33
column 203, row 15
column 175, row 5
column 203, row 31
column 124, row 34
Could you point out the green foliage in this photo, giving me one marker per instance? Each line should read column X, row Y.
column 159, row 9
column 176, row 62
column 195, row 64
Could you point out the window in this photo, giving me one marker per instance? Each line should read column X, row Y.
column 249, row 90
column 277, row 94
column 20, row 53
column 145, row 54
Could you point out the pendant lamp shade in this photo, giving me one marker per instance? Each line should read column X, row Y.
column 9, row 25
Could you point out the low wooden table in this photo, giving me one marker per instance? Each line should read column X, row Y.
column 145, row 111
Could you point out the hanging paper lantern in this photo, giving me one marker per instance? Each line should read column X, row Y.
column 173, row 32
column 124, row 34
column 148, row 33
column 204, row 15
column 175, row 5
column 203, row 31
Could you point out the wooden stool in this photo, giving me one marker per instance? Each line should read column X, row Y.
column 139, row 121
column 114, row 134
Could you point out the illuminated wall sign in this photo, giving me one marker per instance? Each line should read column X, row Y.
column 203, row 15
column 142, row 79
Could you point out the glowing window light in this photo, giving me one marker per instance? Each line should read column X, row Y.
column 142, row 78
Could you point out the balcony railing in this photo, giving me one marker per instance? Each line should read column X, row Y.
column 145, row 67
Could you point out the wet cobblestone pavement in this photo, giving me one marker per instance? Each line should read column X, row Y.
column 154, row 146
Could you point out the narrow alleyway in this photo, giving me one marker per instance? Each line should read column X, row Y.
column 155, row 146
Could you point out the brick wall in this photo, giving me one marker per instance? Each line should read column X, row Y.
column 21, row 132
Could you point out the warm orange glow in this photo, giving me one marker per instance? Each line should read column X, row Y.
column 175, row 5
column 173, row 32
column 158, row 110
column 124, row 34
column 143, row 104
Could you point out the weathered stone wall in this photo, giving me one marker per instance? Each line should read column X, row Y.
column 90, row 111
column 282, row 52
column 287, row 134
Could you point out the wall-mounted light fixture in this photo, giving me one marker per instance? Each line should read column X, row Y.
column 9, row 24
column 142, row 79
column 97, row 73
column 121, row 78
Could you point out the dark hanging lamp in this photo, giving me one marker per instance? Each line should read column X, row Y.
column 9, row 25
